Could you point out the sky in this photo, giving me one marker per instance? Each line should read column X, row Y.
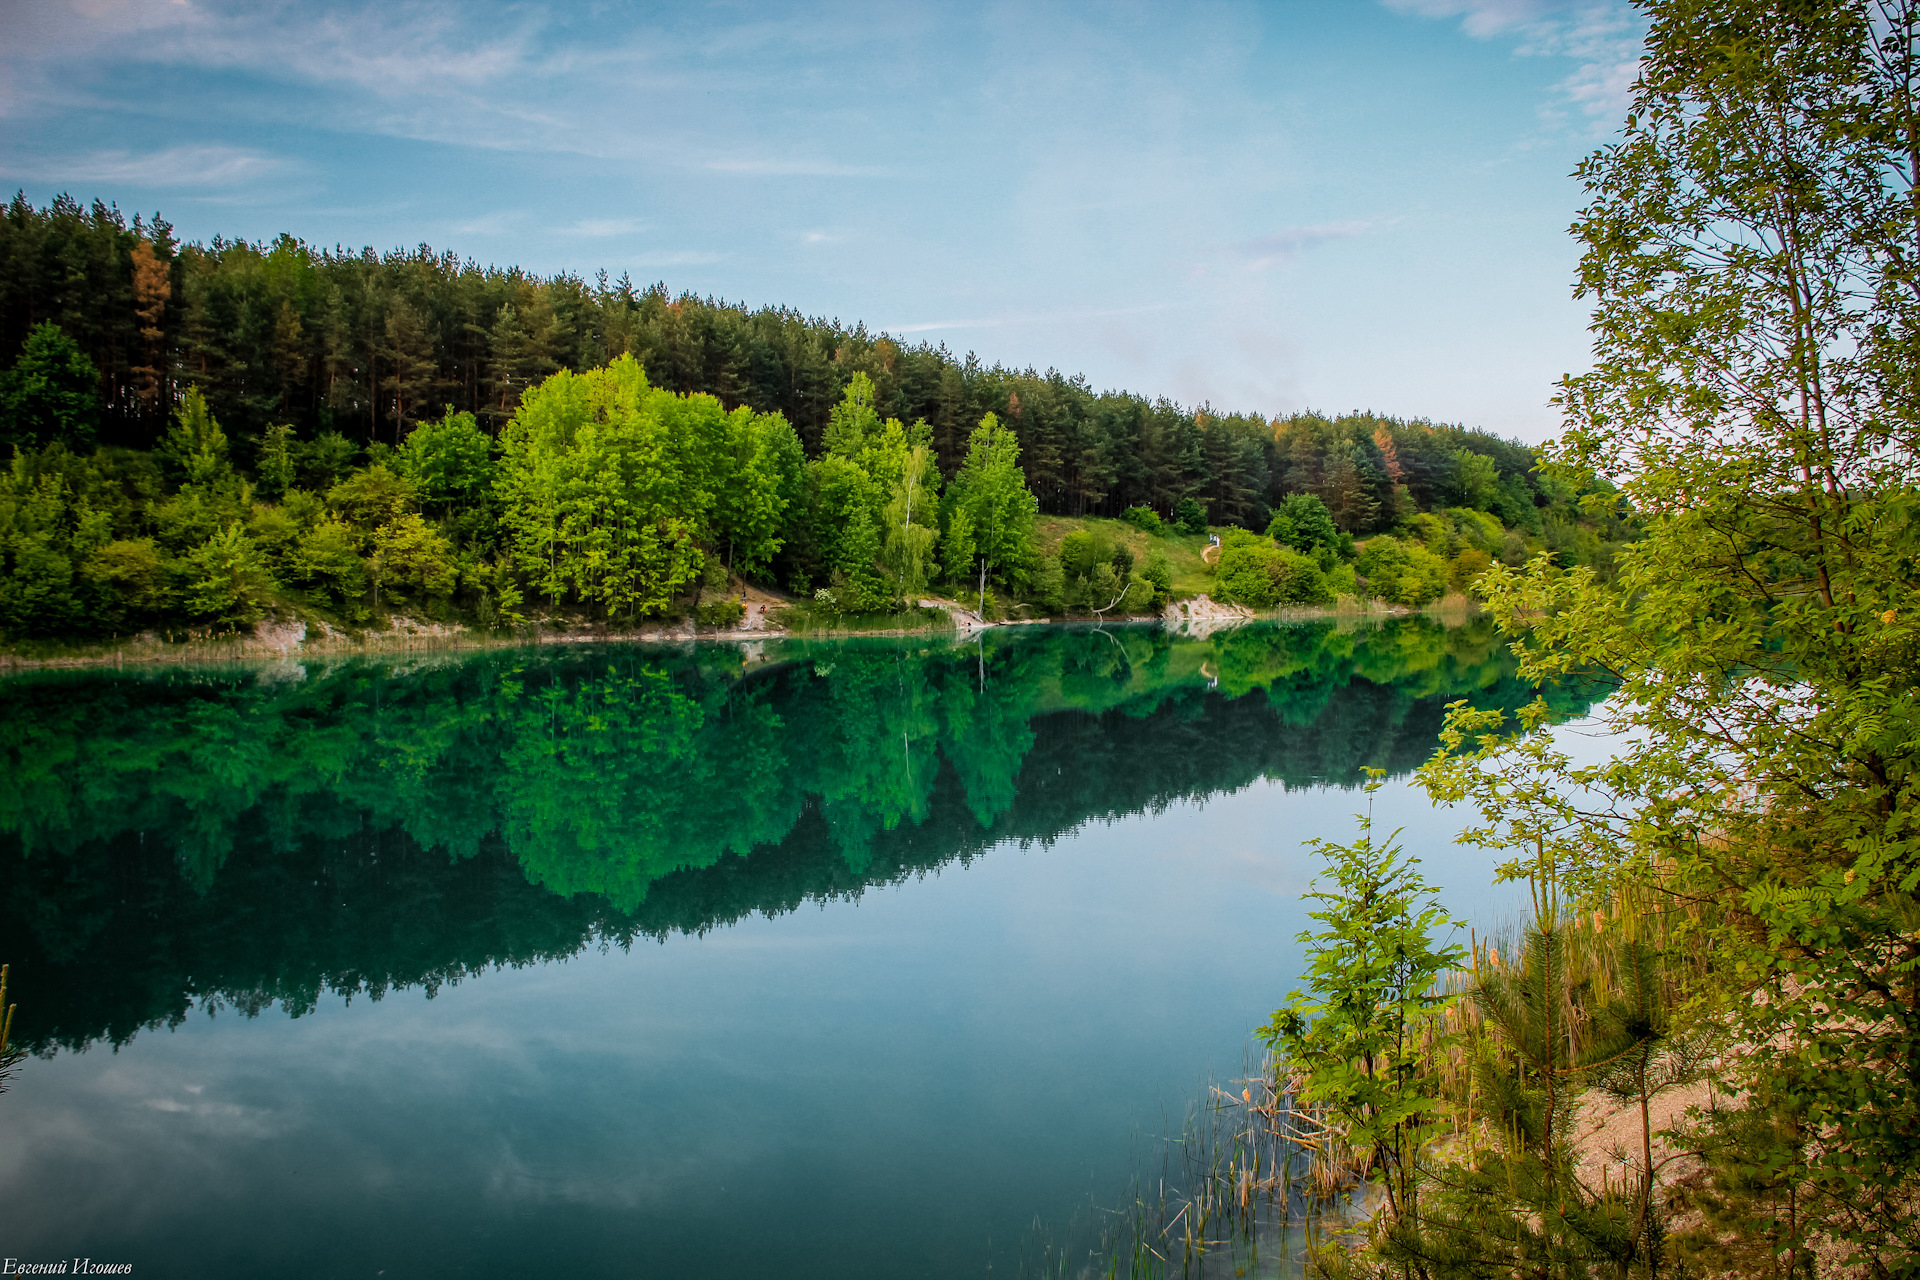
column 1265, row 207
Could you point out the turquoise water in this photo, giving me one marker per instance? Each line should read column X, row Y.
column 848, row 958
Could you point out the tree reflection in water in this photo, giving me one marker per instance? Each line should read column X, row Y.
column 244, row 837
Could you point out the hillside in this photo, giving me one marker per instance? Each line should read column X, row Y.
column 201, row 436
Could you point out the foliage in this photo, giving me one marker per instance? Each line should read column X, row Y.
column 449, row 462
column 1401, row 572
column 608, row 485
column 372, row 346
column 1255, row 572
column 226, row 579
column 720, row 613
column 1304, row 523
column 1158, row 575
column 1189, row 516
column 990, row 509
column 283, row 388
column 1750, row 254
column 1360, row 1042
column 51, row 394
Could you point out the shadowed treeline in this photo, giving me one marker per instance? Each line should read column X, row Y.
column 252, row 836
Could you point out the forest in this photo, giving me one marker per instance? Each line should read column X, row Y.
column 201, row 435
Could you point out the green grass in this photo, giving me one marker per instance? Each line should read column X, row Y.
column 803, row 618
column 1191, row 575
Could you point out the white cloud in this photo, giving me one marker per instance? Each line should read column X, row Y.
column 676, row 258
column 1479, row 18
column 1029, row 318
column 605, row 228
column 1289, row 242
column 175, row 167
column 794, row 168
column 500, row 222
column 1602, row 37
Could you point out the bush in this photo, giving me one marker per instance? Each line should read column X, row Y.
column 720, row 613
column 1049, row 588
column 1080, row 551
column 1300, row 581
column 1145, row 519
column 1159, row 575
column 226, row 579
column 1402, row 573
column 1467, row 566
column 1189, row 516
column 1254, row 572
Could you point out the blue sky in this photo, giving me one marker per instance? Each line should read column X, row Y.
column 1268, row 206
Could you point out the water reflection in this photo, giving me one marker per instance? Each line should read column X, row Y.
column 254, row 836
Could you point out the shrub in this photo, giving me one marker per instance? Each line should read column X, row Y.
column 1189, row 516
column 1467, row 566
column 1146, row 519
column 1402, row 573
column 1080, row 551
column 1049, row 587
column 720, row 613
column 1159, row 575
column 1254, row 572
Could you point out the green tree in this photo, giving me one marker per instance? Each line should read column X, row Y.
column 449, row 462
column 1253, row 571
column 372, row 496
column 51, row 394
column 195, row 449
column 910, row 524
column 599, row 475
column 1750, row 252
column 227, row 579
column 276, row 471
column 411, row 554
column 845, row 531
column 1475, row 482
column 1363, row 1039
column 991, row 510
column 1303, row 523
column 327, row 558
column 36, row 561
column 763, row 482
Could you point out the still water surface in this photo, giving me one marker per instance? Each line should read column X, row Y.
column 835, row 959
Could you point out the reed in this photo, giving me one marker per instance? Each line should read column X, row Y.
column 1239, row 1190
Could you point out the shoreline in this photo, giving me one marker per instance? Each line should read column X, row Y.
column 275, row 640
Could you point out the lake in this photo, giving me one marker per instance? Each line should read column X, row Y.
column 833, row 958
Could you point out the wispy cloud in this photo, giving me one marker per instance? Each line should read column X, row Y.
column 498, row 223
column 795, row 168
column 1031, row 318
column 1289, row 243
column 676, row 258
column 1480, row 18
column 1602, row 37
column 173, row 168
column 604, row 228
